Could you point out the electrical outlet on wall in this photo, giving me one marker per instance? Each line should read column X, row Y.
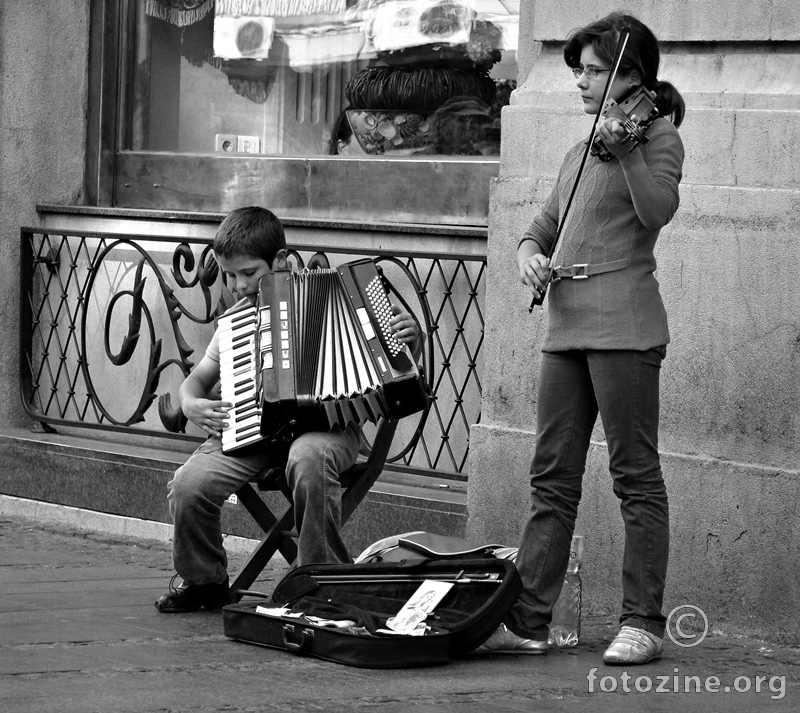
column 233, row 143
column 247, row 144
column 232, row 499
column 227, row 143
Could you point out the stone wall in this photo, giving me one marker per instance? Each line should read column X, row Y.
column 729, row 423
column 44, row 54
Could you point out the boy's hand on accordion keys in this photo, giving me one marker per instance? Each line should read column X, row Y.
column 404, row 327
column 210, row 416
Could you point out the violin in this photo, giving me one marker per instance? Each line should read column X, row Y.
column 635, row 113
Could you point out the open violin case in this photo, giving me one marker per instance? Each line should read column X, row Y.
column 355, row 601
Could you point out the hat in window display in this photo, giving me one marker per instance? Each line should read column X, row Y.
column 399, row 132
column 420, row 89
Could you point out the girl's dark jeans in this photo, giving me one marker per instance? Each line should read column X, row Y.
column 574, row 386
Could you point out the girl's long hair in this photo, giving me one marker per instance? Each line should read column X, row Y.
column 641, row 55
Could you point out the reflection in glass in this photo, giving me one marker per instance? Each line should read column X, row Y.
column 312, row 77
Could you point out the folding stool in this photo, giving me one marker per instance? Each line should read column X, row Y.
column 278, row 530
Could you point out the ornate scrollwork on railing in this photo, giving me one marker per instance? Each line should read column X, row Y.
column 205, row 276
column 139, row 311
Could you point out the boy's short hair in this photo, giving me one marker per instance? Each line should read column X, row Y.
column 253, row 232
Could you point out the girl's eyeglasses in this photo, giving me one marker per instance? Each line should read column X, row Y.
column 590, row 72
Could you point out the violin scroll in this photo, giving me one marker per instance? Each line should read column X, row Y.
column 635, row 113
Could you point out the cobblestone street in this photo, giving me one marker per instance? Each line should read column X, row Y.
column 80, row 635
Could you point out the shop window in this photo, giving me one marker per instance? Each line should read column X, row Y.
column 308, row 78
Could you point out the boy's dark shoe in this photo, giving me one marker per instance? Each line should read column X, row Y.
column 191, row 597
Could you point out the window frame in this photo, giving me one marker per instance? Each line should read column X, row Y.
column 441, row 189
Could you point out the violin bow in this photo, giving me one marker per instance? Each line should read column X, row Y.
column 624, row 34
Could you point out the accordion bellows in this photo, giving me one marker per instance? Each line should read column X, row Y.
column 317, row 338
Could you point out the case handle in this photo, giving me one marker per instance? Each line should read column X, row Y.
column 294, row 646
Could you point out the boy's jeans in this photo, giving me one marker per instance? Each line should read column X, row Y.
column 205, row 481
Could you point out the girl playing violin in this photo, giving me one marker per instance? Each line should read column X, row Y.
column 606, row 338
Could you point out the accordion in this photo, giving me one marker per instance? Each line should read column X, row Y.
column 315, row 338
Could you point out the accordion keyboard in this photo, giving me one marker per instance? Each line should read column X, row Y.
column 238, row 377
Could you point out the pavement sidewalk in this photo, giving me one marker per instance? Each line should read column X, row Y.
column 79, row 633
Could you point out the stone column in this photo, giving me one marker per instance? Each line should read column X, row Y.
column 729, row 278
column 43, row 99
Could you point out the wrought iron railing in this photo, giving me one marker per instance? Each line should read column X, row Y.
column 111, row 324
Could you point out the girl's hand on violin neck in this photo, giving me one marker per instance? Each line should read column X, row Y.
column 613, row 133
column 534, row 272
